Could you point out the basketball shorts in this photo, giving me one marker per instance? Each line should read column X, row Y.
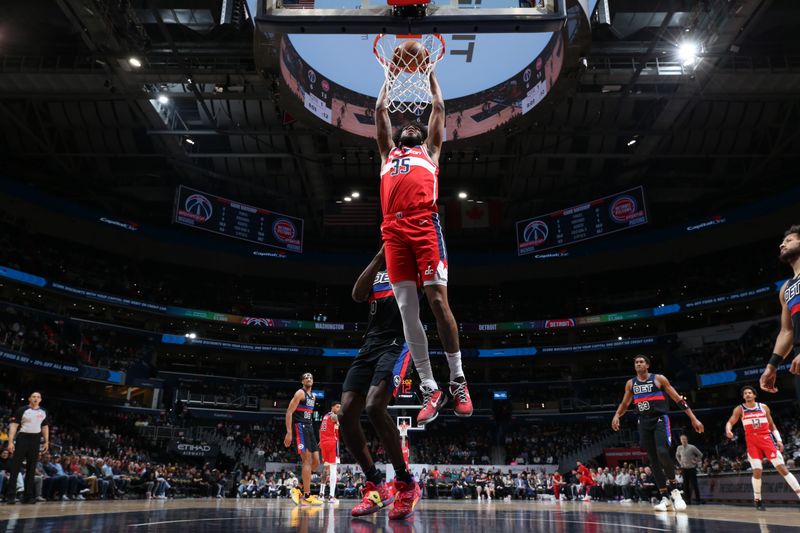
column 304, row 438
column 330, row 451
column 760, row 448
column 376, row 361
column 415, row 249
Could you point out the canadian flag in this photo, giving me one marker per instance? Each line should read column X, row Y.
column 474, row 215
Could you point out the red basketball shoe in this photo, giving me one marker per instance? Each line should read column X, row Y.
column 432, row 403
column 406, row 497
column 375, row 499
column 460, row 394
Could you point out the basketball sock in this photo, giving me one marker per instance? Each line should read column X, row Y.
column 756, row 488
column 404, row 476
column 405, row 292
column 454, row 362
column 792, row 481
column 333, row 481
column 374, row 475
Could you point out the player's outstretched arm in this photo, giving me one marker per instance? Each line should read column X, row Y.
column 383, row 125
column 666, row 386
column 364, row 282
column 773, row 428
column 623, row 406
column 436, row 120
column 783, row 345
column 737, row 414
column 298, row 396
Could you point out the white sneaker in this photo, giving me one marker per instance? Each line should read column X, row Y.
column 64, row 498
column 677, row 499
column 80, row 497
column 663, row 505
column 333, row 501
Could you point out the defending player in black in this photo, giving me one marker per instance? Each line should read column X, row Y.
column 370, row 384
column 646, row 391
column 300, row 431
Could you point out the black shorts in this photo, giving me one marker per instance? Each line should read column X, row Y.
column 304, row 438
column 655, row 432
column 378, row 360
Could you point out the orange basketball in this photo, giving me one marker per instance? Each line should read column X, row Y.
column 410, row 56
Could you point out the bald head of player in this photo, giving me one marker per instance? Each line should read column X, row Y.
column 411, row 134
column 790, row 246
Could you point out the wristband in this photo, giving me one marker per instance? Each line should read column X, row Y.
column 777, row 435
column 775, row 360
column 683, row 404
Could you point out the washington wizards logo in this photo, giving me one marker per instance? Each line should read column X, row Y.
column 200, row 206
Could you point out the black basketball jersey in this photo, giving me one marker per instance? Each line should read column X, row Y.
column 792, row 296
column 384, row 321
column 648, row 398
column 305, row 409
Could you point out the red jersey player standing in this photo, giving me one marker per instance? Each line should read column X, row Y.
column 329, row 447
column 415, row 249
column 763, row 441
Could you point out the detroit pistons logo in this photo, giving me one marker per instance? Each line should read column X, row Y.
column 301, row 447
column 284, row 230
column 325, row 85
column 623, row 209
column 199, row 206
column 536, row 232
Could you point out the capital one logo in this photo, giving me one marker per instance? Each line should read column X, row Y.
column 198, row 205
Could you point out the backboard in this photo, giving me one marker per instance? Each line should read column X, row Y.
column 440, row 16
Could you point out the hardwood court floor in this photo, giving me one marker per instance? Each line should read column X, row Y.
column 431, row 516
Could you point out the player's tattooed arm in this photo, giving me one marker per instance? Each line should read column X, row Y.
column 623, row 406
column 667, row 387
column 364, row 282
column 436, row 120
column 384, row 125
column 737, row 414
column 783, row 346
column 296, row 399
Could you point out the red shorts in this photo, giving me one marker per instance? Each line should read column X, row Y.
column 415, row 248
column 762, row 447
column 330, row 451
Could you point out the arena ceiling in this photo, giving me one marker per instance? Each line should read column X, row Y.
column 78, row 120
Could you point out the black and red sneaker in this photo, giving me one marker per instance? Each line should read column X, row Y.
column 461, row 399
column 432, row 402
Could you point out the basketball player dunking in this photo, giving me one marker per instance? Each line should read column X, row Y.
column 415, row 249
column 646, row 391
column 300, row 430
column 763, row 441
column 789, row 337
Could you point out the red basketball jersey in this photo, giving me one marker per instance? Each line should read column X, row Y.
column 755, row 422
column 329, row 430
column 409, row 181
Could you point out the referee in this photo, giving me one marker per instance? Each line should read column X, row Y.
column 28, row 424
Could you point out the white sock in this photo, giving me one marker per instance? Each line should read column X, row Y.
column 405, row 292
column 333, row 481
column 454, row 362
column 792, row 481
column 757, row 488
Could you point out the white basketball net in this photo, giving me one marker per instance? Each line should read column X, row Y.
column 408, row 84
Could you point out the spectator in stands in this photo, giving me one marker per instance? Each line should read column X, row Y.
column 646, row 486
column 5, row 467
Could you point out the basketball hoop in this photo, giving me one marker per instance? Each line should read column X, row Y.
column 408, row 84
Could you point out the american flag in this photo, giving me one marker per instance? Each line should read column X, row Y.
column 355, row 213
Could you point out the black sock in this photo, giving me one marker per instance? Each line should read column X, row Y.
column 460, row 379
column 374, row 475
column 404, row 476
column 307, row 495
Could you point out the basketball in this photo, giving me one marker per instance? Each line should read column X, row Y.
column 410, row 56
